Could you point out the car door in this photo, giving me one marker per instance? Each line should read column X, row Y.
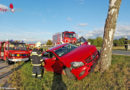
column 52, row 63
column 49, row 61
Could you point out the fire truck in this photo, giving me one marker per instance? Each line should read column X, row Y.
column 64, row 37
column 30, row 47
column 13, row 51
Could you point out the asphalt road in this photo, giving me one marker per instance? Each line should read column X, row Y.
column 121, row 52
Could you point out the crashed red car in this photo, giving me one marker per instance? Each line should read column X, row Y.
column 76, row 61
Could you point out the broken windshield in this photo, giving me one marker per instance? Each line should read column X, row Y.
column 65, row 49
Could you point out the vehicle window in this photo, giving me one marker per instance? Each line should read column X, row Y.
column 17, row 46
column 70, row 35
column 48, row 55
column 2, row 48
column 6, row 47
column 83, row 40
column 64, row 50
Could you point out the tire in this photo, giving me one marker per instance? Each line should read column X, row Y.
column 69, row 74
column 8, row 62
column 27, row 61
column 2, row 61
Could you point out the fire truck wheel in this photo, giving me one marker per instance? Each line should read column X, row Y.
column 69, row 74
column 27, row 61
column 8, row 62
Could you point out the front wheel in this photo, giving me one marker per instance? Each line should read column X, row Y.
column 9, row 62
column 69, row 74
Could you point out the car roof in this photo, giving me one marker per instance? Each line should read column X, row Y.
column 57, row 47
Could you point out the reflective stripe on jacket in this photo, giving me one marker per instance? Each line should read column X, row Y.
column 36, row 57
column 36, row 64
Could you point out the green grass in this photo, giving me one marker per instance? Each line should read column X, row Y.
column 115, row 48
column 113, row 79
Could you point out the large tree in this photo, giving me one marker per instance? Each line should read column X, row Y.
column 109, row 30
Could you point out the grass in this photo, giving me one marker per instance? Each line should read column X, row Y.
column 115, row 48
column 113, row 79
column 119, row 48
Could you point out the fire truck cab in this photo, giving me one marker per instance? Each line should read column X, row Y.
column 64, row 37
column 13, row 51
column 30, row 47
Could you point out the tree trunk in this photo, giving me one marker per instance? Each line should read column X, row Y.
column 109, row 30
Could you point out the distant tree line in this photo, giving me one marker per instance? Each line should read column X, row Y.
column 99, row 40
column 49, row 42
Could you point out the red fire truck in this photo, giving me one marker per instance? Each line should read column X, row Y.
column 13, row 51
column 30, row 47
column 64, row 37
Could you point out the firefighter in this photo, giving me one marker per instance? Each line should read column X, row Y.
column 36, row 60
column 126, row 43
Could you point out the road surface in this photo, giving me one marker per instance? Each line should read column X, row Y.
column 121, row 52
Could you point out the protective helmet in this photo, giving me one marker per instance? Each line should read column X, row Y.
column 38, row 44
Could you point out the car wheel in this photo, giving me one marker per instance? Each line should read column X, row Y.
column 69, row 74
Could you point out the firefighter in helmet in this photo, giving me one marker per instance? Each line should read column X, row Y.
column 36, row 60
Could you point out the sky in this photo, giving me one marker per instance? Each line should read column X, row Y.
column 38, row 20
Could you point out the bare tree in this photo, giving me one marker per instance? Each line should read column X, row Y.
column 109, row 30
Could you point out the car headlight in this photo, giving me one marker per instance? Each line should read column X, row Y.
column 76, row 64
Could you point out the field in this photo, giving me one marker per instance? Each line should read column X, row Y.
column 116, row 78
column 115, row 48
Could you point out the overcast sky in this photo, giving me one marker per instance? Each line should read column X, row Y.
column 40, row 19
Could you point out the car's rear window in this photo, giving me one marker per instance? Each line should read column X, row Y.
column 65, row 49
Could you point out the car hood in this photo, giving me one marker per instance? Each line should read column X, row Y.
column 18, row 52
column 78, row 54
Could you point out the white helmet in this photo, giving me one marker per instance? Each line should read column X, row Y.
column 38, row 44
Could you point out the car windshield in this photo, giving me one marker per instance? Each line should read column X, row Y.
column 70, row 35
column 17, row 46
column 65, row 49
column 48, row 55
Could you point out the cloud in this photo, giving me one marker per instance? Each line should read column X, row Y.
column 69, row 19
column 3, row 6
column 83, row 24
column 26, row 36
column 121, row 31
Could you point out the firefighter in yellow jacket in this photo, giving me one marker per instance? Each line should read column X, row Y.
column 36, row 60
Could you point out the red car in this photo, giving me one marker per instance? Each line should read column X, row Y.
column 76, row 61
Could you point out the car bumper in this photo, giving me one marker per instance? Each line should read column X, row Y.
column 83, row 71
column 17, row 60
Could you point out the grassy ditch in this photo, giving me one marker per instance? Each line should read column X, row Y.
column 116, row 78
column 115, row 48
